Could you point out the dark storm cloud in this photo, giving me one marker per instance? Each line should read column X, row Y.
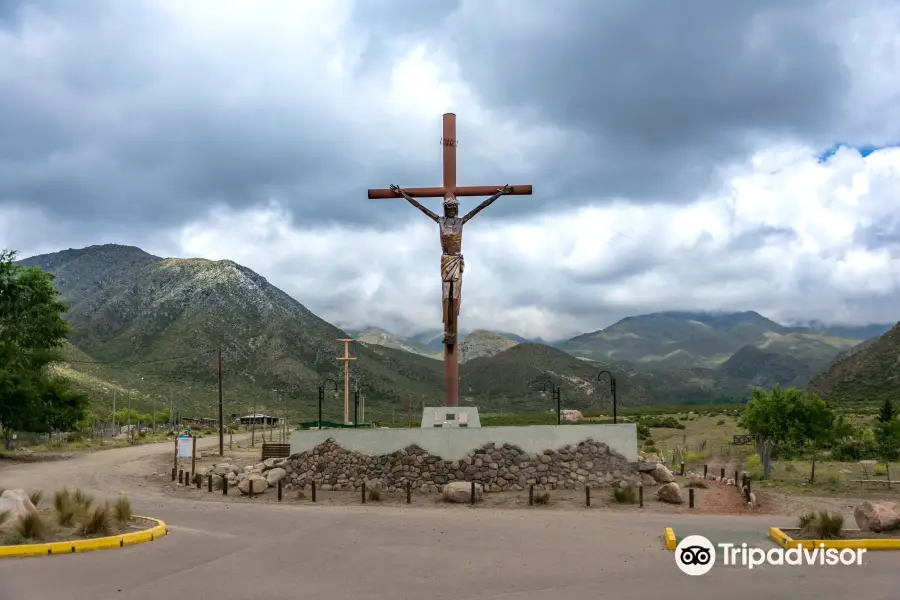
column 123, row 120
column 661, row 93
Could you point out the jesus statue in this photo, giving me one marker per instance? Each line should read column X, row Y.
column 452, row 262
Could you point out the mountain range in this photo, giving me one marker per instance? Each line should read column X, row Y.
column 148, row 330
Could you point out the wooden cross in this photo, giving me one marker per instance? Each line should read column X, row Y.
column 451, row 228
column 346, row 358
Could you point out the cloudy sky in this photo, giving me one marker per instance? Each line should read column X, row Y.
column 684, row 155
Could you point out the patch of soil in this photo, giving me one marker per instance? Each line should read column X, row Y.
column 845, row 535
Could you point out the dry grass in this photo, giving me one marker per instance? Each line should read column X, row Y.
column 697, row 483
column 31, row 527
column 96, row 521
column 122, row 510
column 374, row 493
column 36, row 496
column 67, row 509
column 3, row 517
column 542, row 497
column 81, row 498
column 822, row 523
column 625, row 494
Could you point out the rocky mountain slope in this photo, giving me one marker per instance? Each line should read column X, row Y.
column 695, row 339
column 866, row 375
column 157, row 325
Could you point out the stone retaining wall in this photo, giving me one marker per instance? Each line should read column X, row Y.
column 497, row 467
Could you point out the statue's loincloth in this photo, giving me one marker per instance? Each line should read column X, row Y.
column 452, row 267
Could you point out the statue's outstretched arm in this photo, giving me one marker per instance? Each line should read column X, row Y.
column 396, row 189
column 501, row 192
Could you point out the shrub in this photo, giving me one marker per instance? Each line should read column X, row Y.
column 31, row 527
column 694, row 457
column 36, row 496
column 833, row 477
column 3, row 517
column 542, row 497
column 720, row 422
column 790, row 468
column 753, row 466
column 660, row 421
column 122, row 510
column 880, row 471
column 625, row 494
column 96, row 521
column 822, row 523
column 697, row 483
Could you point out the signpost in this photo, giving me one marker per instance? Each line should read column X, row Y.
column 186, row 447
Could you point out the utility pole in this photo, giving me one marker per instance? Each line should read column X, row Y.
column 346, row 358
column 130, row 437
column 253, row 424
column 154, row 415
column 221, row 411
column 284, row 425
column 115, row 393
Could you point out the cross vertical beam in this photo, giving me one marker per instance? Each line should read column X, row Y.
column 450, row 226
column 346, row 358
column 451, row 351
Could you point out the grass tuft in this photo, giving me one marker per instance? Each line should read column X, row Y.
column 822, row 523
column 625, row 494
column 31, row 527
column 122, row 510
column 67, row 509
column 96, row 521
column 36, row 496
column 697, row 483
column 82, row 499
column 3, row 517
column 542, row 497
column 374, row 493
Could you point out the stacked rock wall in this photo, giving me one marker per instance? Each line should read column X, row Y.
column 497, row 467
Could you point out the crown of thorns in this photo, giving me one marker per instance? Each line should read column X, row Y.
column 450, row 200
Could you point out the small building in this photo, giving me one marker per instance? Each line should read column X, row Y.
column 260, row 419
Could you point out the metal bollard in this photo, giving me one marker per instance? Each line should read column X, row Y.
column 723, row 473
column 690, row 497
column 682, row 469
column 408, row 492
column 473, row 492
column 279, row 490
column 209, row 482
column 641, row 496
column 181, row 477
column 587, row 495
column 313, row 495
column 174, row 473
column 224, row 485
column 531, row 495
column 364, row 492
column 705, row 470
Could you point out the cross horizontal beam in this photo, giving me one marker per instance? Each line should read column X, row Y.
column 438, row 192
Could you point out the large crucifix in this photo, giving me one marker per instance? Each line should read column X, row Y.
column 451, row 228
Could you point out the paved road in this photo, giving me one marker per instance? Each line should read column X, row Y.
column 240, row 551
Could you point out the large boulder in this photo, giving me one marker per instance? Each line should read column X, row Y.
column 16, row 504
column 271, row 463
column 273, row 476
column 661, row 474
column 877, row 516
column 670, row 493
column 461, row 492
column 256, row 483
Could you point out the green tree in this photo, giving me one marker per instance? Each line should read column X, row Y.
column 790, row 417
column 886, row 414
column 32, row 333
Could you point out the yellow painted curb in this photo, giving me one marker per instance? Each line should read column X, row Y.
column 75, row 546
column 785, row 541
column 671, row 542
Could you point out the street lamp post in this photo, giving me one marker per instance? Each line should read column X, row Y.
column 612, row 389
column 555, row 391
column 322, row 396
column 356, row 396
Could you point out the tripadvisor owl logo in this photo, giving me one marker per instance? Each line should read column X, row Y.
column 696, row 555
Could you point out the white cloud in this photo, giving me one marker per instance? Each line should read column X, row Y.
column 391, row 277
